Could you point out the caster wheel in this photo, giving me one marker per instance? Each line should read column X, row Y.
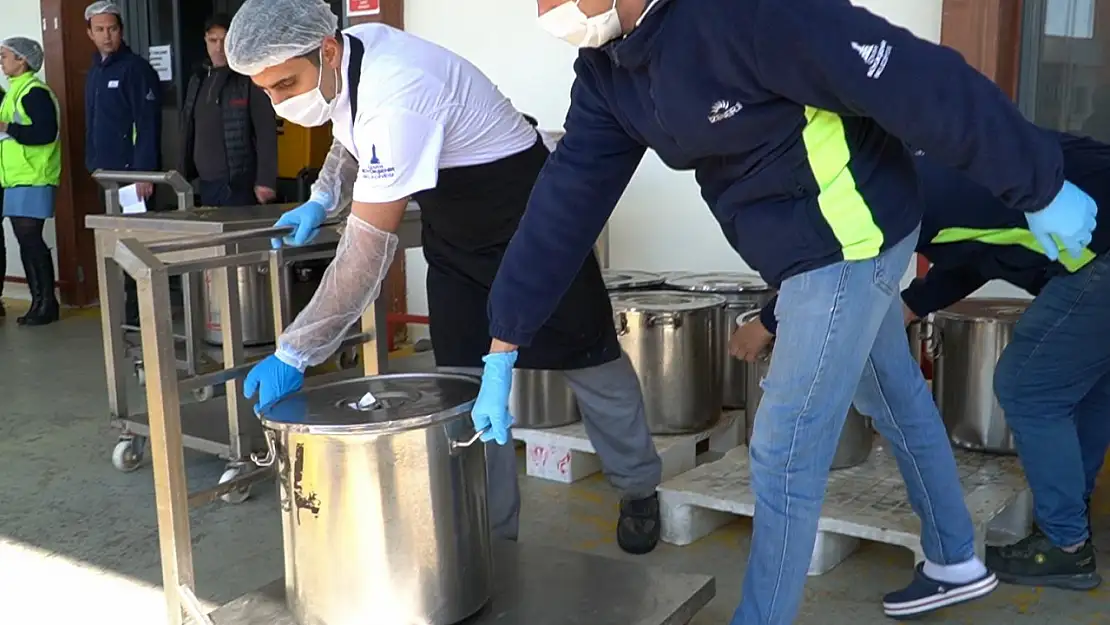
column 128, row 455
column 204, row 394
column 235, row 496
column 140, row 374
column 348, row 359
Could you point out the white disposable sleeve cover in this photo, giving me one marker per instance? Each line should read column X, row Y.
column 350, row 284
column 334, row 186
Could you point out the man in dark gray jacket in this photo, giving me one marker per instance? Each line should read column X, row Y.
column 229, row 130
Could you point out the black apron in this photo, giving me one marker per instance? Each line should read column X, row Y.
column 468, row 220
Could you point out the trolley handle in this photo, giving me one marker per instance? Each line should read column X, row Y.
column 196, row 243
column 110, row 180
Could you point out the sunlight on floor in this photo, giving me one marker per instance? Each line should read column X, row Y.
column 67, row 591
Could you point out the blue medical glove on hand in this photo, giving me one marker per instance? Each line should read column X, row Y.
column 306, row 220
column 1070, row 217
column 491, row 410
column 272, row 380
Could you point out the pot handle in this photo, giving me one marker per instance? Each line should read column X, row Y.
column 620, row 320
column 933, row 339
column 672, row 321
column 747, row 316
column 457, row 446
column 271, row 451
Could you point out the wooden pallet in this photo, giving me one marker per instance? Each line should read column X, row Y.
column 565, row 454
column 868, row 502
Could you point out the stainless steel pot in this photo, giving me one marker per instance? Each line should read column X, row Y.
column 742, row 292
column 856, row 439
column 383, row 498
column 255, row 295
column 255, row 307
column 542, row 399
column 968, row 339
column 673, row 340
column 630, row 279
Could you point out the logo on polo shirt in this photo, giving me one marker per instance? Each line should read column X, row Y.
column 375, row 169
column 875, row 55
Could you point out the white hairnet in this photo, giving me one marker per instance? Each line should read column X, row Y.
column 104, row 7
column 265, row 33
column 27, row 49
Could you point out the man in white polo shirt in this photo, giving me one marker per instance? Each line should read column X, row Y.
column 412, row 120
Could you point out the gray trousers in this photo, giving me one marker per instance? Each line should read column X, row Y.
column 612, row 408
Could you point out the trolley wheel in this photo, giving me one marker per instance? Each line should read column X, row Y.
column 204, row 393
column 128, row 454
column 348, row 359
column 140, row 373
column 235, row 496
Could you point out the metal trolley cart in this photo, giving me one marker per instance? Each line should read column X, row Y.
column 225, row 429
column 536, row 585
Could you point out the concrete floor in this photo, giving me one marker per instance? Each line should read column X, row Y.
column 78, row 542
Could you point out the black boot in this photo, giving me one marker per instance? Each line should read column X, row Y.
column 48, row 311
column 638, row 526
column 29, row 269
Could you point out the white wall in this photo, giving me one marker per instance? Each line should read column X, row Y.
column 22, row 18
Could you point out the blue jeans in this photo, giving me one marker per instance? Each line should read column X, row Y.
column 1053, row 382
column 841, row 336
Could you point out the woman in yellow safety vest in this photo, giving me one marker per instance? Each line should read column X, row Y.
column 30, row 169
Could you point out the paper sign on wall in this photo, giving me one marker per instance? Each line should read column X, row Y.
column 360, row 8
column 161, row 59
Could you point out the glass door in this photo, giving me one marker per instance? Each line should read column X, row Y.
column 1065, row 73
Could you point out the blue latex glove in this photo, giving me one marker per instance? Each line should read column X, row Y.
column 272, row 380
column 1070, row 218
column 491, row 410
column 306, row 218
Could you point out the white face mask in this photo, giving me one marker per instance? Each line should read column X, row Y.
column 569, row 23
column 310, row 109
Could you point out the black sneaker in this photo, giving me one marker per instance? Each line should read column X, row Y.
column 1035, row 561
column 638, row 527
column 925, row 594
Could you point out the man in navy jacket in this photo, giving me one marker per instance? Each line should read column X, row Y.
column 123, row 110
column 123, row 101
column 1053, row 379
column 790, row 115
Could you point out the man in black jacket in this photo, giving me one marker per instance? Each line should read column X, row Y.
column 230, row 130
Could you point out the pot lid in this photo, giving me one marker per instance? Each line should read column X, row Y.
column 1004, row 310
column 664, row 301
column 616, row 279
column 720, row 282
column 375, row 405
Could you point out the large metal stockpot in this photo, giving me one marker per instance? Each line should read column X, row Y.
column 542, row 399
column 630, row 279
column 968, row 339
column 742, row 292
column 673, row 341
column 256, row 317
column 856, row 439
column 383, row 498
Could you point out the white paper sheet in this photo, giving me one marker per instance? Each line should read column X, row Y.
column 130, row 201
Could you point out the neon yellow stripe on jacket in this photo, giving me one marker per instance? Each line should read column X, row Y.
column 842, row 205
column 1011, row 236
